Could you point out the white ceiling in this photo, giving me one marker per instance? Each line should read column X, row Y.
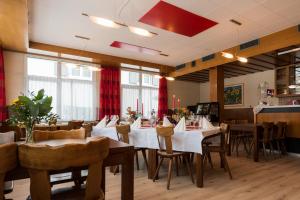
column 57, row 21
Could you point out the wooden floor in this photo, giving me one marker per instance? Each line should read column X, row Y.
column 275, row 179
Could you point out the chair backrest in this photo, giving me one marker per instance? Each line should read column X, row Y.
column 225, row 134
column 267, row 131
column 281, row 130
column 123, row 131
column 8, row 161
column 40, row 159
column 88, row 127
column 75, row 124
column 61, row 134
column 166, row 134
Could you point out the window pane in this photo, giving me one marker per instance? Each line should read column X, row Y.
column 41, row 67
column 130, row 66
column 150, row 69
column 48, row 84
column 150, row 80
column 75, row 71
column 130, row 78
column 129, row 96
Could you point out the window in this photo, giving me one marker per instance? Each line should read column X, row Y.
column 72, row 86
column 142, row 86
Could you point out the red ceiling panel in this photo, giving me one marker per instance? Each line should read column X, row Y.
column 135, row 48
column 171, row 18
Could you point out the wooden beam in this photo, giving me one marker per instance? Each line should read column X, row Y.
column 14, row 24
column 238, row 68
column 274, row 41
column 98, row 57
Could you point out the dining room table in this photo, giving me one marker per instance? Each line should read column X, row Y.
column 254, row 128
column 189, row 140
column 119, row 154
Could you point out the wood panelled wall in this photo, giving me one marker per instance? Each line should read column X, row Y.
column 239, row 113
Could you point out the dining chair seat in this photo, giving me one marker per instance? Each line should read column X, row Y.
column 41, row 159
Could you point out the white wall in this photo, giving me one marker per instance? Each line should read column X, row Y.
column 188, row 92
column 250, row 82
column 14, row 74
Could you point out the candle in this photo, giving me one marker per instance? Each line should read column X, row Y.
column 142, row 109
column 178, row 102
column 137, row 105
column 173, row 102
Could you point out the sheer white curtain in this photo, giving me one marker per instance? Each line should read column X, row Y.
column 150, row 100
column 75, row 89
column 77, row 100
column 129, row 96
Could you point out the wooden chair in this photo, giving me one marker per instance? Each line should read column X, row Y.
column 75, row 124
column 42, row 159
column 165, row 133
column 241, row 137
column 266, row 140
column 123, row 136
column 61, row 134
column 88, row 127
column 280, row 137
column 8, row 161
column 219, row 148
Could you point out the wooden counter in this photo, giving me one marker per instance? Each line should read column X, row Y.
column 289, row 114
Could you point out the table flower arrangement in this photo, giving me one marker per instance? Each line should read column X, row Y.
column 26, row 111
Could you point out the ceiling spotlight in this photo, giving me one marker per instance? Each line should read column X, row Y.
column 242, row 59
column 141, row 32
column 170, row 78
column 157, row 76
column 95, row 69
column 293, row 86
column 227, row 55
column 104, row 22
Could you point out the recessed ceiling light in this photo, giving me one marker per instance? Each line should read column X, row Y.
column 227, row 55
column 94, row 68
column 170, row 78
column 141, row 32
column 104, row 22
column 157, row 76
column 242, row 59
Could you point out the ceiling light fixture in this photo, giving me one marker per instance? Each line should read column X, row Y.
column 227, row 55
column 242, row 59
column 288, row 51
column 95, row 69
column 169, row 78
column 157, row 76
column 104, row 22
column 141, row 32
column 293, row 86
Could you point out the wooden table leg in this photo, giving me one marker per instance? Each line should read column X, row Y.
column 199, row 170
column 229, row 144
column 256, row 147
column 152, row 162
column 127, row 185
column 103, row 180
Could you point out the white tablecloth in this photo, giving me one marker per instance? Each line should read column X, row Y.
column 186, row 141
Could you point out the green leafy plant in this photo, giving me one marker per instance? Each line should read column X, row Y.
column 26, row 111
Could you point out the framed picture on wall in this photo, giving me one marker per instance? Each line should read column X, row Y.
column 234, row 95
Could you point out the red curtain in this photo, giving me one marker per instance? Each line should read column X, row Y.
column 109, row 92
column 162, row 98
column 3, row 110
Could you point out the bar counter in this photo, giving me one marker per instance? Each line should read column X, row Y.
column 284, row 113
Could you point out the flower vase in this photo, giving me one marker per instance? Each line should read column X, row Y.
column 29, row 135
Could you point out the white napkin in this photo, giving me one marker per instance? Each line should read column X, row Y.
column 136, row 124
column 102, row 123
column 166, row 122
column 181, row 125
column 206, row 125
column 7, row 137
column 113, row 121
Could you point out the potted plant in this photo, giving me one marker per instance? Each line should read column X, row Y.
column 26, row 111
